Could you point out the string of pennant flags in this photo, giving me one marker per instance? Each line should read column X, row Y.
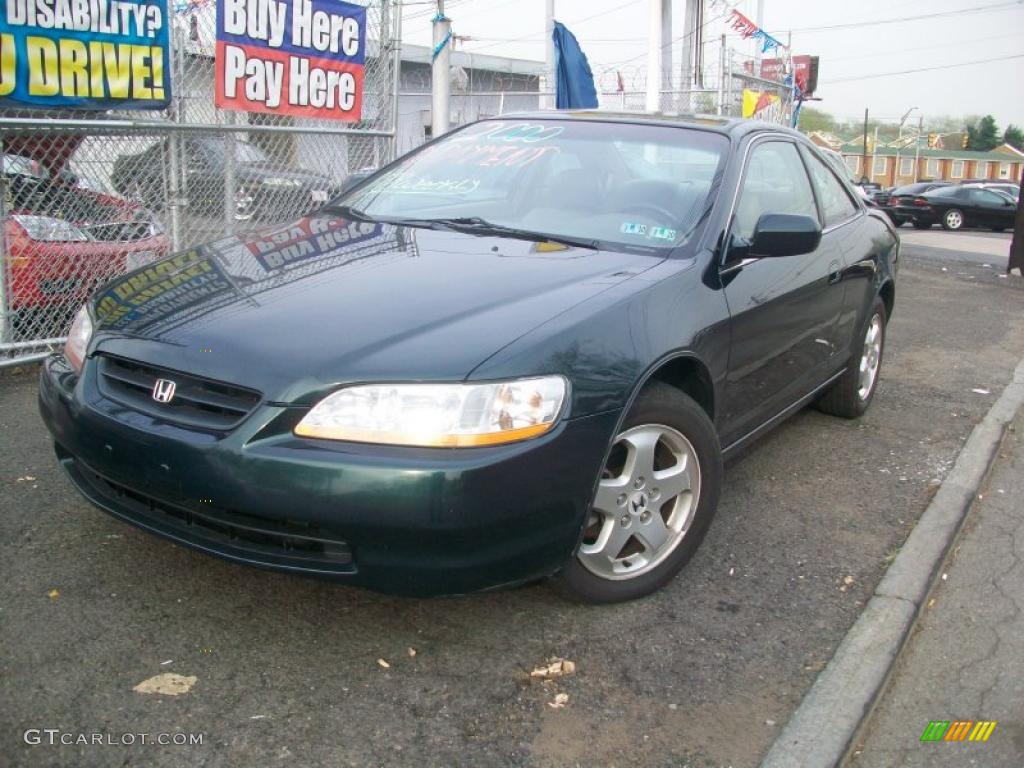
column 748, row 29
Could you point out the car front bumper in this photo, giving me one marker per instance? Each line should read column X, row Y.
column 399, row 520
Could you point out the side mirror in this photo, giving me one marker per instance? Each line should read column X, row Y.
column 784, row 234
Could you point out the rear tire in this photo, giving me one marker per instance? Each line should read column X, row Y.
column 850, row 396
column 953, row 219
column 652, row 507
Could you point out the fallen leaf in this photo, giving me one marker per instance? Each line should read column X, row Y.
column 383, row 664
column 25, row 479
column 53, row 594
column 412, row 651
column 848, row 580
column 554, row 668
column 561, row 699
column 168, row 684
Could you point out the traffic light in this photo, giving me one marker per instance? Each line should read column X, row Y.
column 964, row 141
column 933, row 140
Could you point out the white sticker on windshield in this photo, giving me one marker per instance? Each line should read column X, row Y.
column 629, row 228
column 663, row 233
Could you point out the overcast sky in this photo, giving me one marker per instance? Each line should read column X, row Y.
column 613, row 35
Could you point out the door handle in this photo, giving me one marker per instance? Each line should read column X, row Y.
column 835, row 273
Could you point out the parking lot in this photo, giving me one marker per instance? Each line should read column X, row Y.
column 704, row 673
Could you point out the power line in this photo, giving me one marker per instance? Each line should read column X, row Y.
column 921, row 69
column 876, row 22
column 922, row 48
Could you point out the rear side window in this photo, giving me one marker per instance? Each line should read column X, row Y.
column 836, row 205
column 775, row 182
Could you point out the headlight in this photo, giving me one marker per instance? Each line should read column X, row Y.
column 78, row 339
column 438, row 415
column 277, row 181
column 49, row 229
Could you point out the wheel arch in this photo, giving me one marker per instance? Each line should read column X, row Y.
column 888, row 295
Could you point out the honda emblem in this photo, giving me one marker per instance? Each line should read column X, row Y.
column 163, row 390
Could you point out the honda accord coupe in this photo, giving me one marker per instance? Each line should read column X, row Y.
column 520, row 351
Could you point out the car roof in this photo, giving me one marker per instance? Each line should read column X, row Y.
column 732, row 126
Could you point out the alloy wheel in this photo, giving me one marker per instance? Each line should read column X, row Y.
column 954, row 219
column 645, row 502
column 871, row 357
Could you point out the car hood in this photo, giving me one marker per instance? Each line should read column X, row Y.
column 296, row 310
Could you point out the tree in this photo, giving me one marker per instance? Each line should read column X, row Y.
column 983, row 135
column 815, row 120
column 1014, row 136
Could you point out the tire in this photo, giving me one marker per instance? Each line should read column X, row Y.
column 922, row 225
column 953, row 219
column 847, row 397
column 680, row 437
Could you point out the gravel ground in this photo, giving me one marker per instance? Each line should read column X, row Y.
column 702, row 674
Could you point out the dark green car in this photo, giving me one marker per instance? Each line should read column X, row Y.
column 520, row 351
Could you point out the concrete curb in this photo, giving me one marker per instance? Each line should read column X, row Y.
column 824, row 726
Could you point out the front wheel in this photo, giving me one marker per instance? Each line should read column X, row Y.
column 657, row 494
column 850, row 396
column 953, row 219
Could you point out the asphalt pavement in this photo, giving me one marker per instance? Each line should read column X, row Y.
column 290, row 671
column 965, row 662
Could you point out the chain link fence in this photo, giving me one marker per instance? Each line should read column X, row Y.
column 717, row 89
column 87, row 196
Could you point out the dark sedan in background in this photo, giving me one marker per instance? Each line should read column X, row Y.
column 264, row 189
column 898, row 203
column 955, row 207
column 520, row 351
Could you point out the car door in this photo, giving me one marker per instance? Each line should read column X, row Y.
column 989, row 209
column 848, row 251
column 782, row 313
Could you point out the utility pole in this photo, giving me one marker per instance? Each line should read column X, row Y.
column 864, row 154
column 759, row 20
column 654, row 55
column 440, row 82
column 666, row 46
column 687, row 57
column 917, row 148
column 550, row 77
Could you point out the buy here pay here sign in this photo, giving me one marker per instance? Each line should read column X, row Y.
column 291, row 57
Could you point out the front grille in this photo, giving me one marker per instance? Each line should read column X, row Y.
column 252, row 537
column 198, row 403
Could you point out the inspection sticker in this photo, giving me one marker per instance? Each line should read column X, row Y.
column 629, row 228
column 663, row 233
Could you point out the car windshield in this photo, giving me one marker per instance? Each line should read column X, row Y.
column 618, row 183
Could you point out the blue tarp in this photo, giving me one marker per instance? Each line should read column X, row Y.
column 574, row 81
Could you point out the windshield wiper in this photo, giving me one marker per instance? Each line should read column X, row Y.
column 481, row 226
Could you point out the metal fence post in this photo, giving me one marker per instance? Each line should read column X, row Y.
column 5, row 334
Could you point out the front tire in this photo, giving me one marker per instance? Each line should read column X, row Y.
column 654, row 503
column 850, row 396
column 953, row 219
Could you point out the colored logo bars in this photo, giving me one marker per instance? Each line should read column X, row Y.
column 958, row 730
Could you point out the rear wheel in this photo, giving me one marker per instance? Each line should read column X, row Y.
column 850, row 396
column 953, row 219
column 654, row 502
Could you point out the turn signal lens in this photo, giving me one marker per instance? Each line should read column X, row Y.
column 438, row 415
column 78, row 339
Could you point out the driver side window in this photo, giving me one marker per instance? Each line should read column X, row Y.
column 775, row 182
